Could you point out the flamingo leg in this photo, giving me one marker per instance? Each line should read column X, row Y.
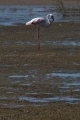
column 38, row 38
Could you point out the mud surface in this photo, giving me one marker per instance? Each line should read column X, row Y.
column 40, row 84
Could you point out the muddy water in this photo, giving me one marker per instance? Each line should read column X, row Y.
column 38, row 87
column 66, row 42
column 29, row 77
column 12, row 15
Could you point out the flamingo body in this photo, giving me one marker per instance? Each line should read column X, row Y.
column 41, row 22
column 37, row 21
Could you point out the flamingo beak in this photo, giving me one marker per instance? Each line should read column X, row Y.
column 52, row 18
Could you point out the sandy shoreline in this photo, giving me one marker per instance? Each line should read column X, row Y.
column 36, row 2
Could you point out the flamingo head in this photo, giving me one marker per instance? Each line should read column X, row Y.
column 51, row 17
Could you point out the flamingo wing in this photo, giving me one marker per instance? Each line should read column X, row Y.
column 36, row 21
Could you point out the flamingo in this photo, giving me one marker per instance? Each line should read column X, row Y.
column 41, row 22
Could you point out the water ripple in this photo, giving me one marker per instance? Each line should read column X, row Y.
column 10, row 15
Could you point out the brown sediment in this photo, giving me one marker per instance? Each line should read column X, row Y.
column 13, row 57
column 12, row 52
column 50, row 112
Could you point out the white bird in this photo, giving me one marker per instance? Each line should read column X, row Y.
column 41, row 22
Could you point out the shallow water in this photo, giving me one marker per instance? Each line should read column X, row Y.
column 36, row 86
column 13, row 15
column 55, row 99
column 26, row 85
column 52, row 43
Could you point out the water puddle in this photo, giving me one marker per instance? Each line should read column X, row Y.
column 52, row 99
column 64, row 43
column 67, row 80
column 39, row 87
column 63, row 75
column 32, row 101
column 18, row 76
column 13, row 15
column 52, row 43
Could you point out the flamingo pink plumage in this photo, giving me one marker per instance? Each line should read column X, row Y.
column 41, row 22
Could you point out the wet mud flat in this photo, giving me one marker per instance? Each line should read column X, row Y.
column 40, row 84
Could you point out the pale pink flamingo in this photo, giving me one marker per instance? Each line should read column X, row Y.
column 40, row 22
